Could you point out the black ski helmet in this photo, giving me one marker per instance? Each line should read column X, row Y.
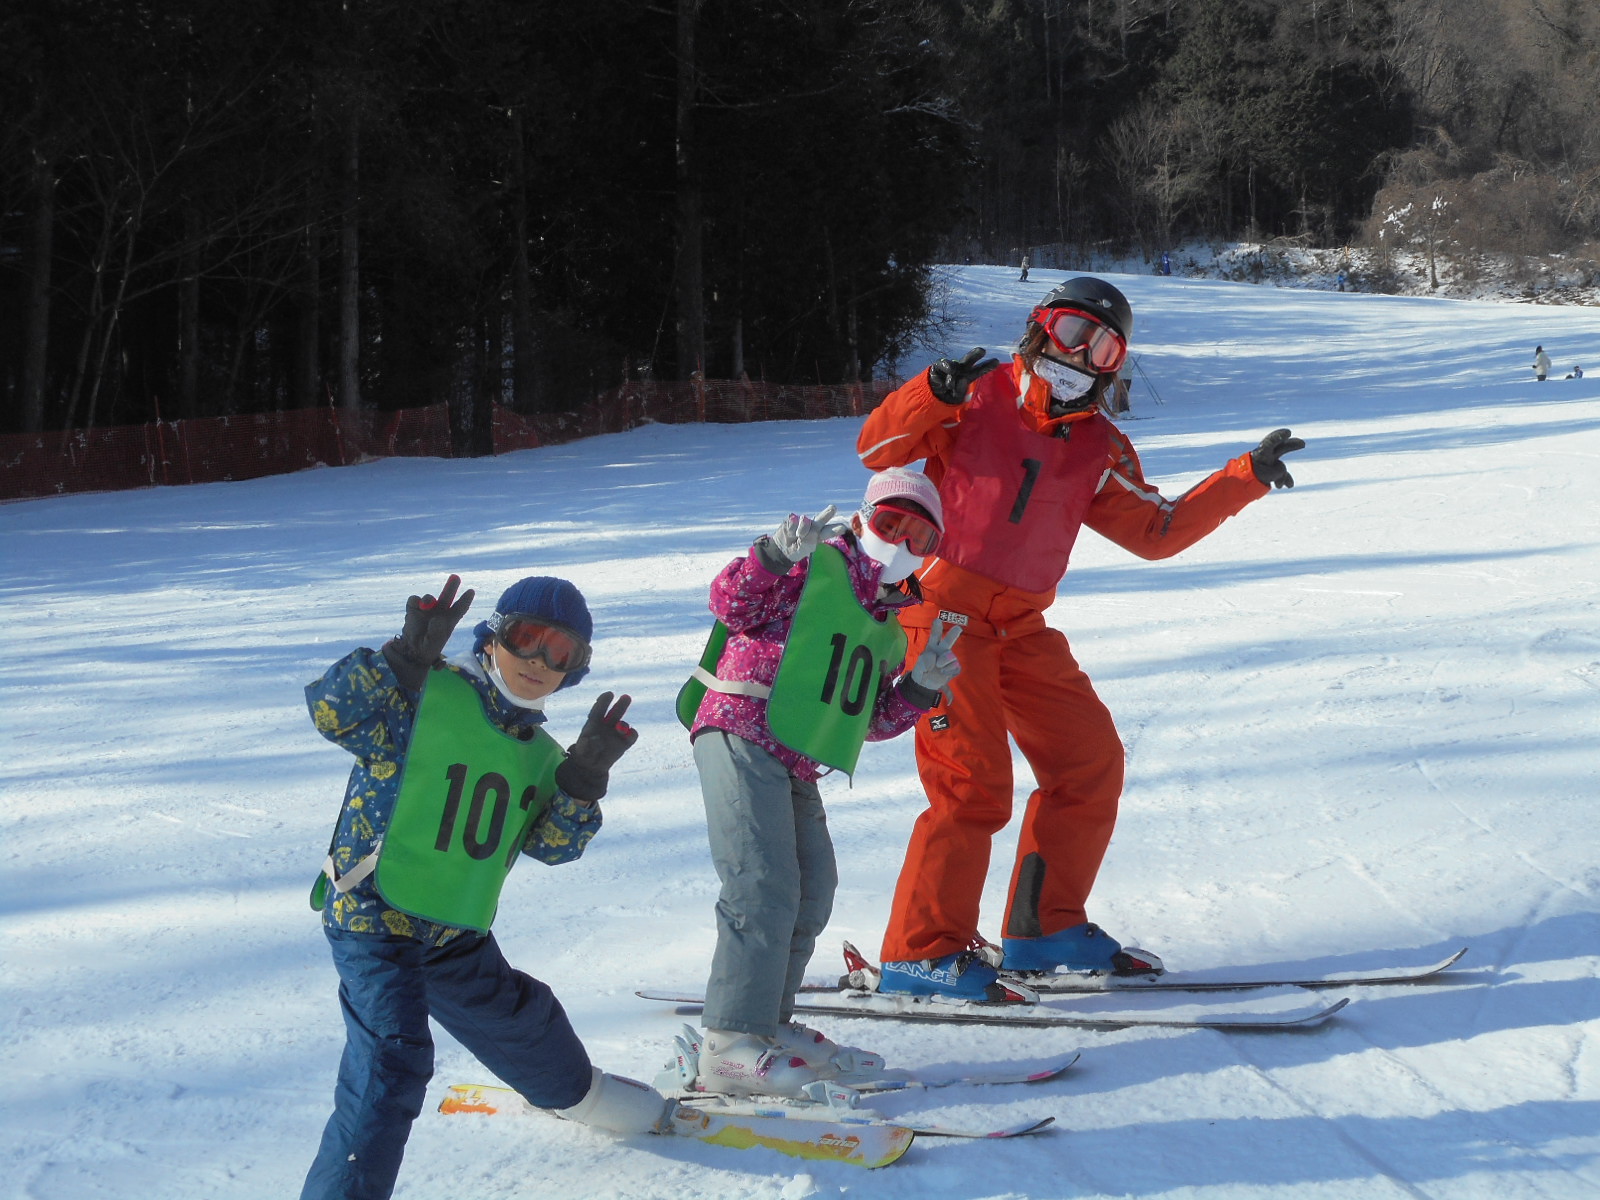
column 1095, row 296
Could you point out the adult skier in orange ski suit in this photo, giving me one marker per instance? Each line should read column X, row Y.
column 1024, row 457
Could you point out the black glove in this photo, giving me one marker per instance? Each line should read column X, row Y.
column 586, row 770
column 949, row 379
column 429, row 624
column 1264, row 458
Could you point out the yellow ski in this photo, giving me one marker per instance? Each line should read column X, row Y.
column 859, row 1143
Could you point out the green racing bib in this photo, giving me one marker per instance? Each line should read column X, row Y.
column 469, row 794
column 836, row 654
column 695, row 687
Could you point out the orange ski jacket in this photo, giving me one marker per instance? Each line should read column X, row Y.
column 912, row 424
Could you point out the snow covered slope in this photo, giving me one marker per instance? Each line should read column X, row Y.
column 1360, row 716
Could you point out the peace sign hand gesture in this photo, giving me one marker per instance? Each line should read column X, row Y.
column 936, row 666
column 429, row 623
column 586, row 771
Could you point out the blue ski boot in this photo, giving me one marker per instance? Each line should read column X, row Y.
column 1084, row 947
column 960, row 976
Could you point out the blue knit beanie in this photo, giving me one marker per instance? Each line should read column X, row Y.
column 542, row 596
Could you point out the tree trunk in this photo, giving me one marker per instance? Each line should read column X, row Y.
column 690, row 275
column 130, row 231
column 524, row 363
column 36, row 341
column 189, row 322
column 852, row 368
column 303, row 389
column 350, row 270
column 243, row 336
column 835, row 325
column 491, row 342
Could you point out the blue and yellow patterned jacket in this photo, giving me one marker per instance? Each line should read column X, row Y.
column 360, row 706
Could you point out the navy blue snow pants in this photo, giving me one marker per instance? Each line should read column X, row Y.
column 388, row 987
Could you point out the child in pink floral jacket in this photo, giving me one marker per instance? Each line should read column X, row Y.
column 769, row 834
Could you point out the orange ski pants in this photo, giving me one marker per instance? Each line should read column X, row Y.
column 1031, row 688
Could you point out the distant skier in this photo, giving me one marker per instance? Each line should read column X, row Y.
column 1023, row 278
column 430, row 825
column 1577, row 373
column 1541, row 364
column 806, row 674
column 1024, row 458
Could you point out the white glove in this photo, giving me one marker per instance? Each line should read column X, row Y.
column 936, row 666
column 797, row 537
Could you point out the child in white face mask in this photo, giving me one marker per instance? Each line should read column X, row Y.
column 810, row 669
column 899, row 524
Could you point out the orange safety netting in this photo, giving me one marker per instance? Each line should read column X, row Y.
column 209, row 449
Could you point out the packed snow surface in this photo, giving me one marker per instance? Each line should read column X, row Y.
column 1360, row 721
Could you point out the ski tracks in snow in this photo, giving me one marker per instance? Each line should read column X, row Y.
column 1485, row 1140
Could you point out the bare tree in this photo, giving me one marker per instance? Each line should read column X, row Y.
column 349, row 358
column 40, row 252
column 690, row 279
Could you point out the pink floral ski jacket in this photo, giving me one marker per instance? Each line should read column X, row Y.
column 758, row 608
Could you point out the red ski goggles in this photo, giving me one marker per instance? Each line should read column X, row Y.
column 895, row 525
column 1072, row 330
column 562, row 649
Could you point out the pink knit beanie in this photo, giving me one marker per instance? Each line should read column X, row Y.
column 904, row 484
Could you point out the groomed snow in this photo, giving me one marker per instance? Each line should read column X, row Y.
column 1361, row 728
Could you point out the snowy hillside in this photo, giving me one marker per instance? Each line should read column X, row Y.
column 1360, row 719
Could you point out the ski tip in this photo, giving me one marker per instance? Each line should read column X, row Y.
column 1052, row 1071
column 1041, row 1124
column 903, row 1144
column 1317, row 1018
column 854, row 960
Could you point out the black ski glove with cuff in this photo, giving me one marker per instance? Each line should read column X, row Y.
column 586, row 771
column 429, row 623
column 949, row 379
column 1264, row 458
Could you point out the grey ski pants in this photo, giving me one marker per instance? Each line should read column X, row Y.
column 770, row 845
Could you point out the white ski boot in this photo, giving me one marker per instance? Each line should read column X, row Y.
column 683, row 1075
column 827, row 1058
column 743, row 1064
column 621, row 1105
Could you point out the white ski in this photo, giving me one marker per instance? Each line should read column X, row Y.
column 1218, row 980
column 1281, row 1008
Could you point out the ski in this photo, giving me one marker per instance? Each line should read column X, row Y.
column 973, row 1079
column 1208, row 981
column 858, row 1143
column 800, row 1110
column 1123, row 1012
column 860, row 974
column 907, row 1082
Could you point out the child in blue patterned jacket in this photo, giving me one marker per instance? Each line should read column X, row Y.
column 451, row 781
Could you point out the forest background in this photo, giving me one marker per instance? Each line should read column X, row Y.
column 211, row 208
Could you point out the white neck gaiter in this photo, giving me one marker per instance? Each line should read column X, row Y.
column 898, row 562
column 1066, row 383
column 493, row 672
